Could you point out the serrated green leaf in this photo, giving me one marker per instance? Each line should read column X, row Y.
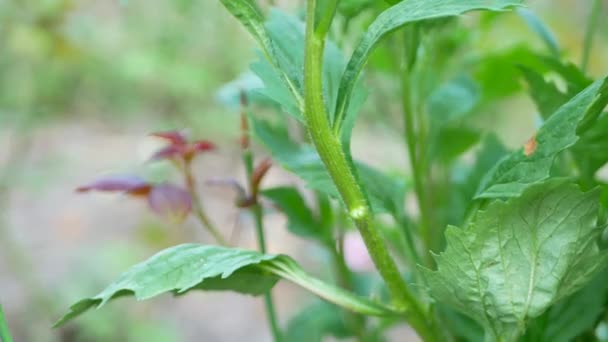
column 517, row 258
column 250, row 16
column 283, row 76
column 395, row 17
column 301, row 220
column 532, row 163
column 386, row 193
column 191, row 266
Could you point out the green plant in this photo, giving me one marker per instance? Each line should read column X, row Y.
column 529, row 251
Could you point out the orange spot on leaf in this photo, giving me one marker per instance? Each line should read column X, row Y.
column 530, row 146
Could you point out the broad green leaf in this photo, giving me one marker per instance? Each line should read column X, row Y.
column 537, row 25
column 449, row 142
column 191, row 266
column 532, row 163
column 395, row 17
column 301, row 220
column 385, row 193
column 572, row 316
column 316, row 322
column 453, row 100
column 515, row 259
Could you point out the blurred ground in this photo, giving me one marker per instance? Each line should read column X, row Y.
column 83, row 85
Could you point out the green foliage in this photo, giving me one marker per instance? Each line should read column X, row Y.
column 393, row 18
column 301, row 220
column 517, row 258
column 532, row 163
column 529, row 262
column 386, row 194
column 186, row 267
column 316, row 322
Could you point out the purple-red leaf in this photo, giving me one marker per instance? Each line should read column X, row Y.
column 174, row 137
column 132, row 185
column 170, row 201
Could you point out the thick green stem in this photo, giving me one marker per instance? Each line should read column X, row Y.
column 332, row 154
column 592, row 25
column 5, row 334
column 197, row 207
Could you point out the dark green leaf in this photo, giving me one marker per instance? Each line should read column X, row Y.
column 300, row 218
column 452, row 141
column 466, row 179
column 517, row 258
column 572, row 316
column 316, row 322
column 453, row 100
column 592, row 149
column 191, row 266
column 395, row 17
column 532, row 163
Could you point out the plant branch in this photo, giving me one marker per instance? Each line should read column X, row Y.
column 5, row 334
column 258, row 214
column 332, row 154
column 197, row 207
column 415, row 141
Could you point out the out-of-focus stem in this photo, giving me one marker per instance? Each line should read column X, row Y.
column 258, row 215
column 5, row 334
column 592, row 25
column 197, row 207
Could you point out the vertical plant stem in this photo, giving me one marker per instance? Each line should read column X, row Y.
column 197, row 207
column 5, row 334
column 332, row 154
column 415, row 141
column 258, row 215
column 592, row 25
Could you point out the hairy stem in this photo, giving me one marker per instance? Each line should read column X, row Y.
column 592, row 25
column 332, row 154
column 5, row 334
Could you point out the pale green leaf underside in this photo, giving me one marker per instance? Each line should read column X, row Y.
column 191, row 266
column 395, row 17
column 386, row 194
column 519, row 170
column 518, row 257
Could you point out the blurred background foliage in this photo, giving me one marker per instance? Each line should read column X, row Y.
column 83, row 82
